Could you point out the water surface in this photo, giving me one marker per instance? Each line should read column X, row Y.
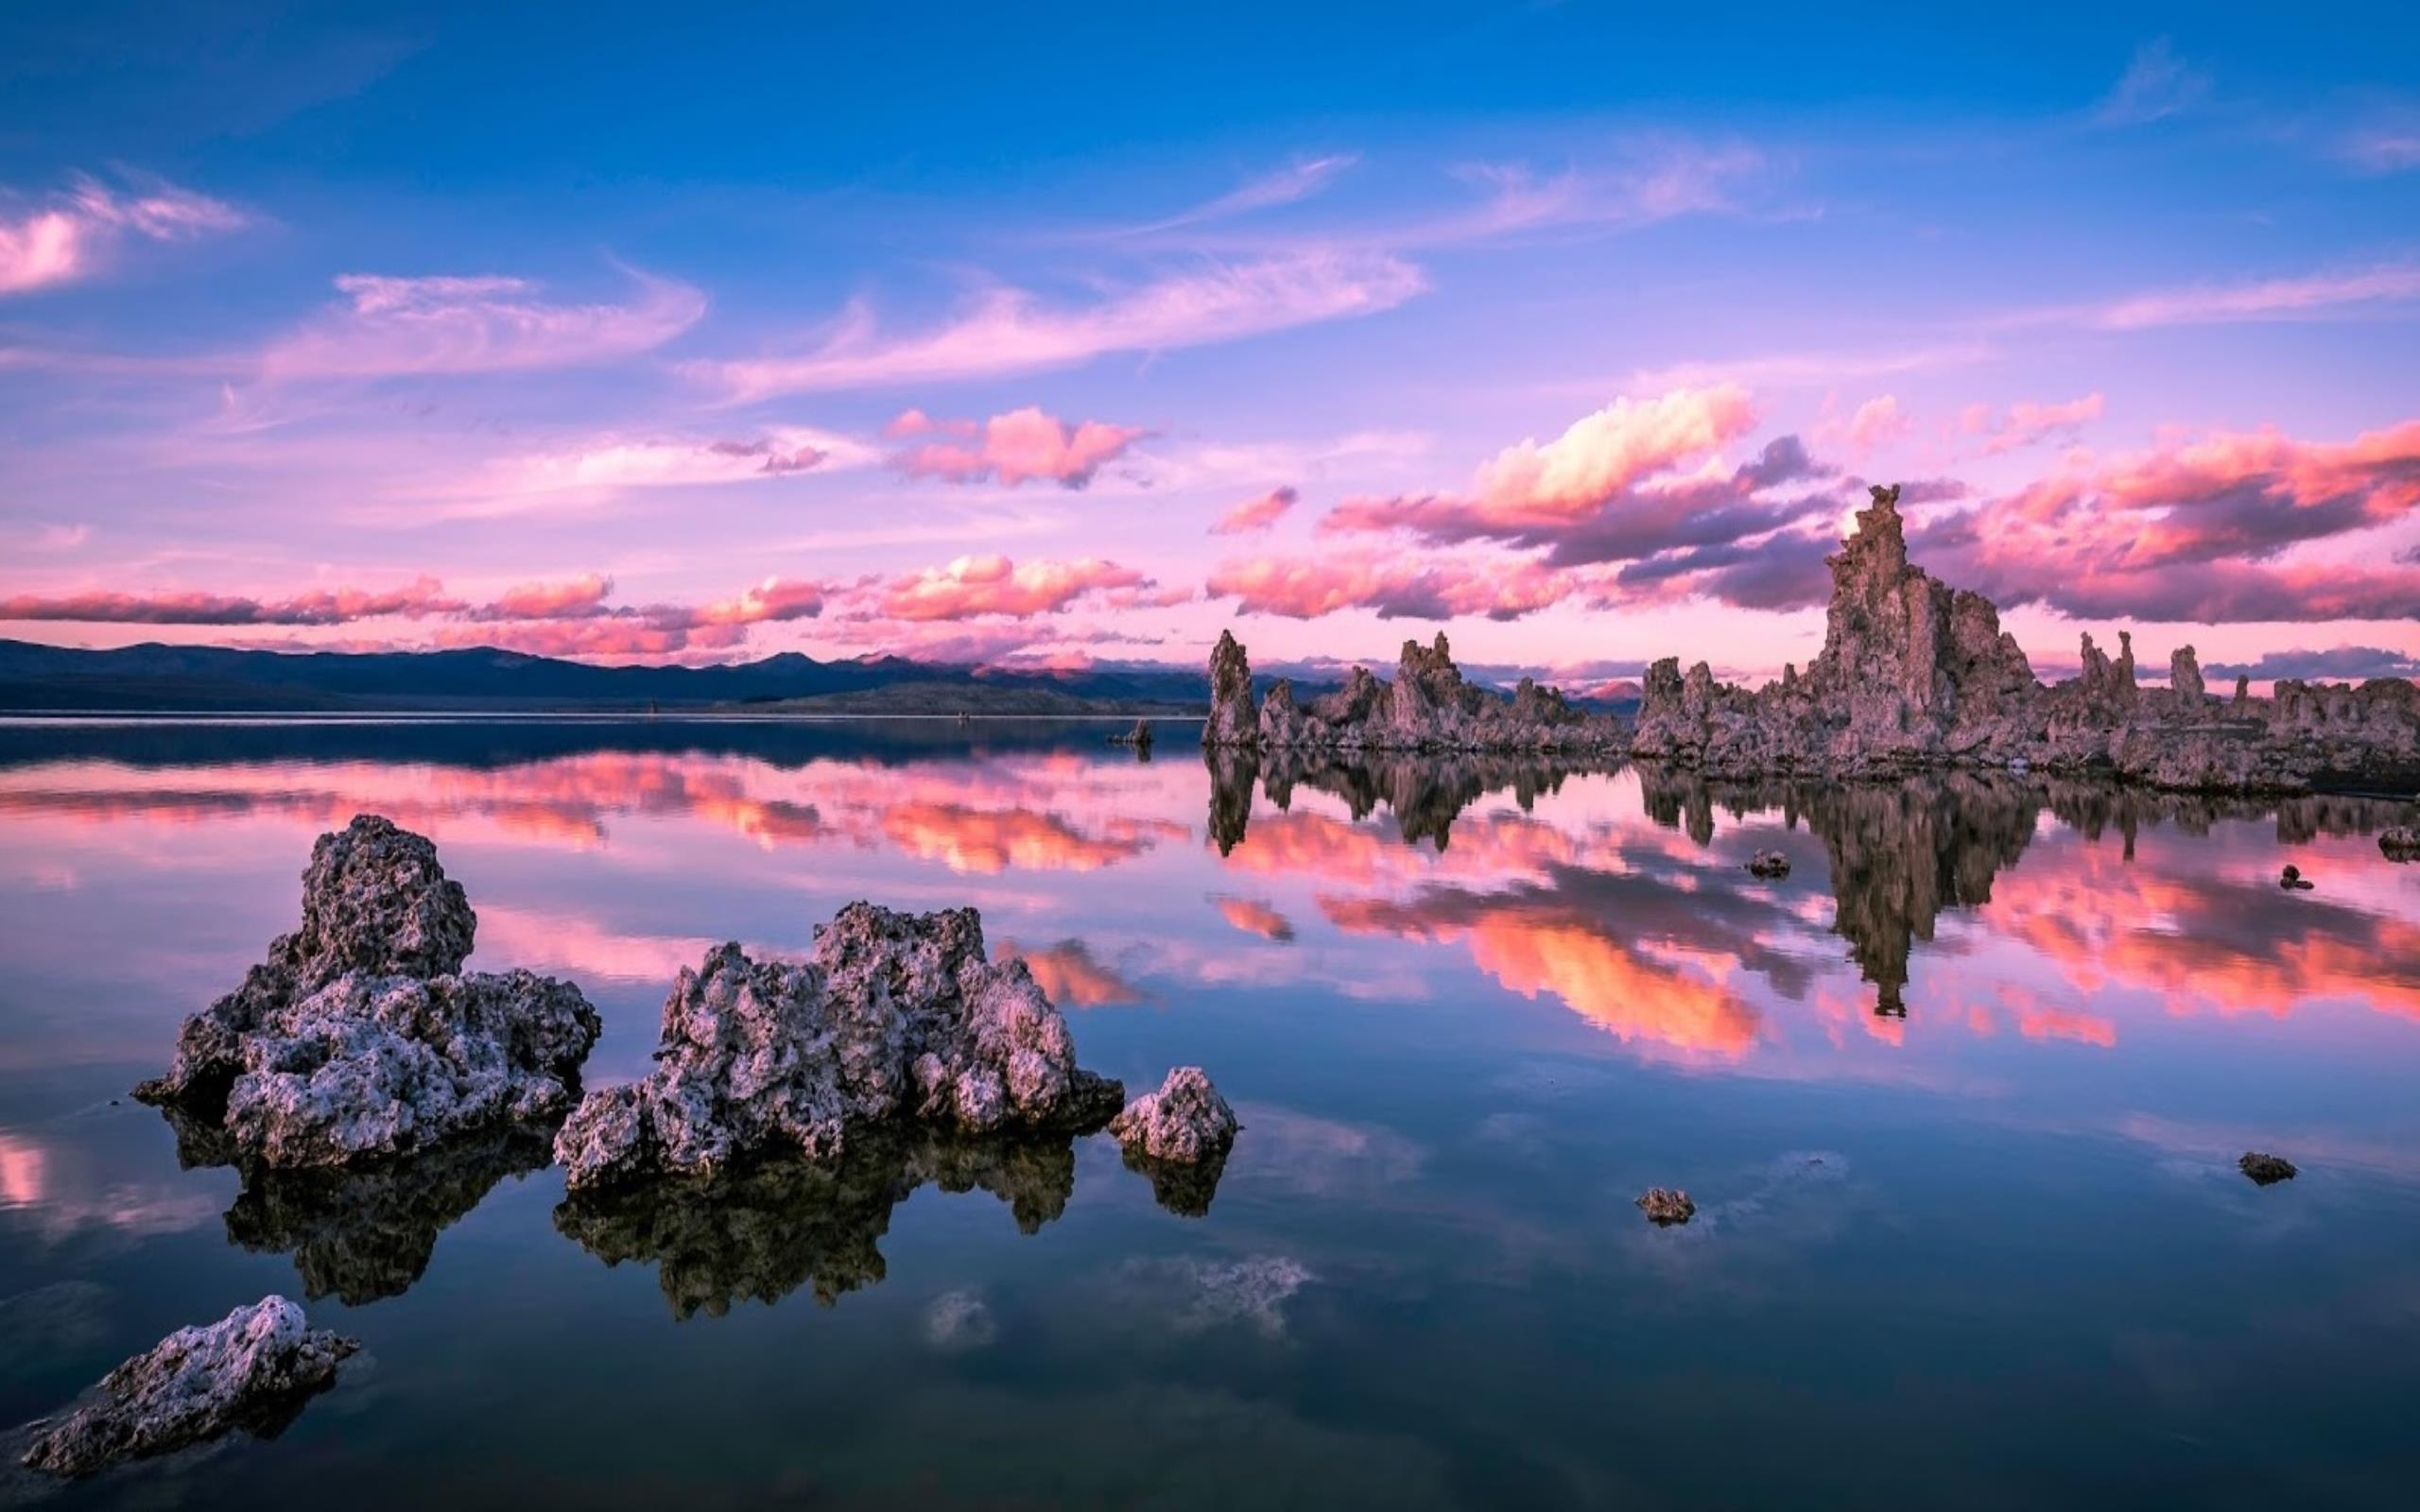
column 1960, row 1101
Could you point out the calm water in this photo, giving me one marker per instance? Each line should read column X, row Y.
column 1959, row 1100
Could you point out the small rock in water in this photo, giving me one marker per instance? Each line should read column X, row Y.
column 2293, row 881
column 254, row 1369
column 1186, row 1119
column 2400, row 842
column 1665, row 1206
column 1769, row 864
column 2266, row 1169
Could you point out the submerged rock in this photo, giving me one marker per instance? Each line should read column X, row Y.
column 2400, row 842
column 1179, row 1137
column 1666, row 1205
column 254, row 1369
column 1139, row 737
column 1914, row 674
column 1769, row 864
column 2293, row 880
column 360, row 1038
column 890, row 1016
column 2265, row 1169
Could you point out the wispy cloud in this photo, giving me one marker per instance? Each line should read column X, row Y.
column 2156, row 85
column 1257, row 513
column 68, row 237
column 2273, row 299
column 1007, row 332
column 395, row 326
column 1297, row 181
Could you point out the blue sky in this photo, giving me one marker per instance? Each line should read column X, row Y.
column 594, row 331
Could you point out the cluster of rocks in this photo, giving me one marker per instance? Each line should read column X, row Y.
column 1915, row 675
column 2399, row 843
column 252, row 1369
column 1428, row 707
column 360, row 1036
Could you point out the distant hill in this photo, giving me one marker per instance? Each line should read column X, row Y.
column 159, row 677
column 200, row 678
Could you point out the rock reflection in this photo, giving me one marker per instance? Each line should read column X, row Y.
column 771, row 1228
column 1426, row 794
column 361, row 1235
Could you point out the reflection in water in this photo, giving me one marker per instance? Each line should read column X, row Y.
column 769, row 1227
column 360, row 1235
column 1452, row 991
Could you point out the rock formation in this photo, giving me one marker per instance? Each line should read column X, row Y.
column 1917, row 675
column 1234, row 720
column 1769, row 865
column 1665, row 1206
column 254, row 1369
column 1428, row 707
column 2400, row 842
column 360, row 1038
column 892, row 1017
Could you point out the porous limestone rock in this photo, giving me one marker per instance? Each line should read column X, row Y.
column 892, row 1016
column 1185, row 1121
column 1664, row 1206
column 252, row 1369
column 2266, row 1169
column 360, row 1036
column 2400, row 842
column 1428, row 707
column 1915, row 675
column 1234, row 718
column 1769, row 864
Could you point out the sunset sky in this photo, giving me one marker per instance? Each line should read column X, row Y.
column 1048, row 334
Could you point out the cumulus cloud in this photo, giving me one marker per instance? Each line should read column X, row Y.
column 2197, row 530
column 1022, row 445
column 1398, row 587
column 68, row 237
column 393, row 327
column 1256, row 513
column 1531, row 492
column 969, row 587
column 1005, row 331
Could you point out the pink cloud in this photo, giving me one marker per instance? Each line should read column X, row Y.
column 1011, row 331
column 2027, row 421
column 1552, row 486
column 972, row 586
column 393, row 327
column 67, row 238
column 418, row 599
column 2275, row 298
column 2195, row 530
column 1256, row 514
column 1878, row 420
column 606, row 638
column 776, row 600
column 1020, row 445
column 569, row 599
column 1306, row 588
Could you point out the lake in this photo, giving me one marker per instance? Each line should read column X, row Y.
column 1960, row 1102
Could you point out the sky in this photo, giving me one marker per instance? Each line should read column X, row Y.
column 1069, row 335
